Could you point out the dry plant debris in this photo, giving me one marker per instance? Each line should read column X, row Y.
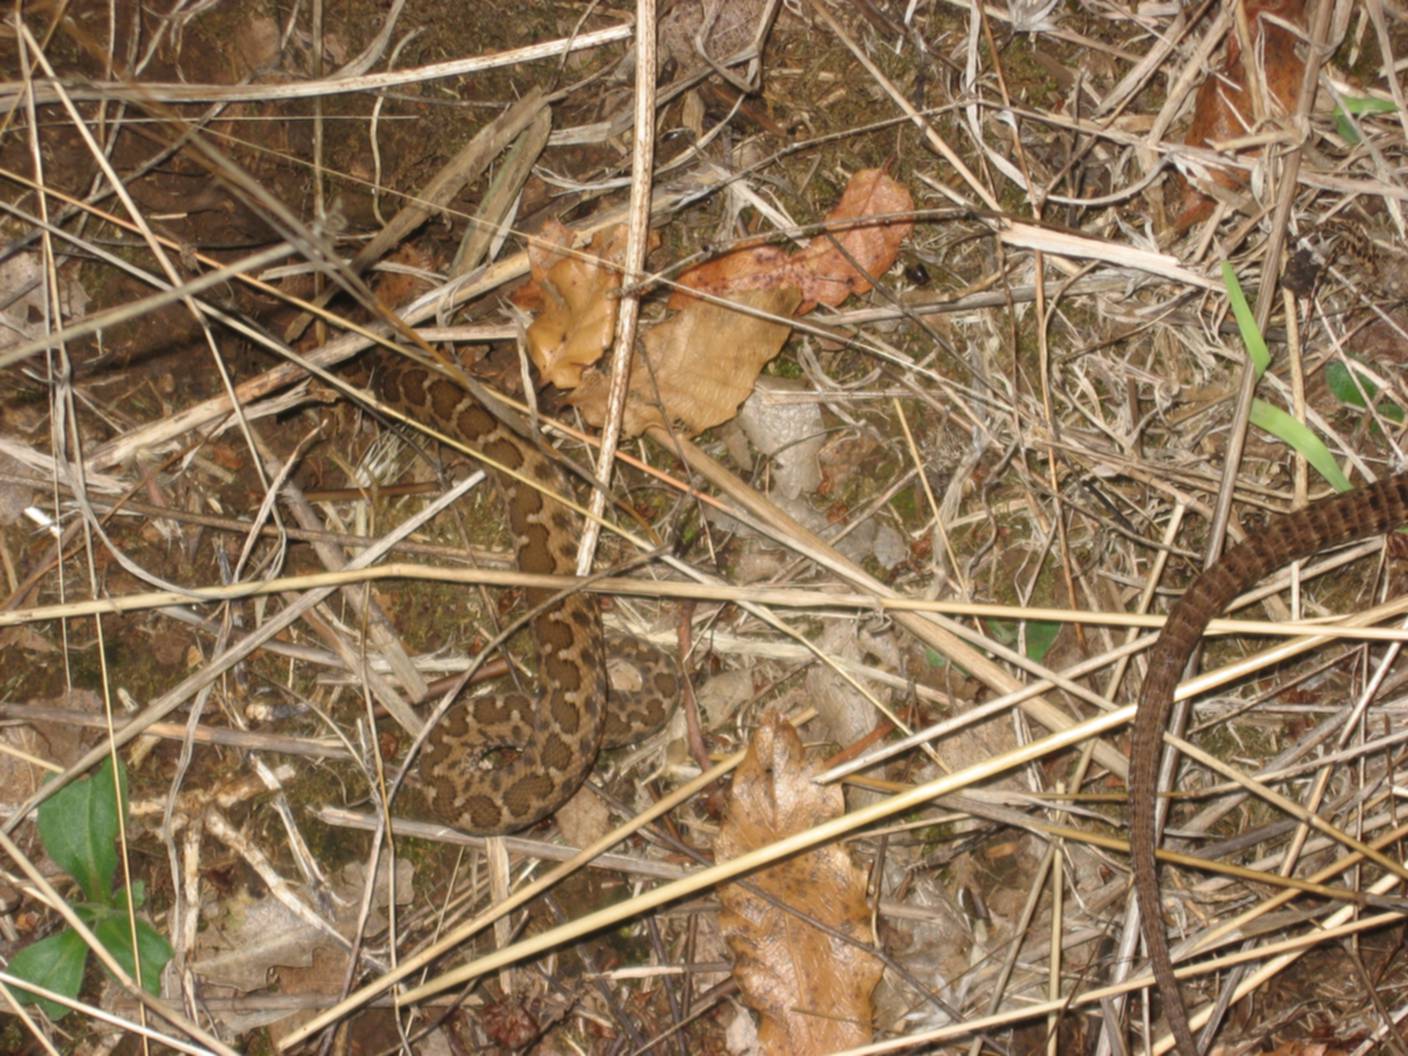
column 256, row 938
column 955, row 240
column 1226, row 107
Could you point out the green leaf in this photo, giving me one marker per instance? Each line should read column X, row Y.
column 55, row 963
column 1345, row 127
column 1246, row 321
column 1274, row 420
column 1300, row 437
column 78, row 825
column 1343, row 386
column 115, row 933
column 1358, row 107
column 1041, row 636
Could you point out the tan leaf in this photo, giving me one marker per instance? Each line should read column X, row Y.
column 700, row 364
column 811, row 991
column 819, row 269
column 575, row 295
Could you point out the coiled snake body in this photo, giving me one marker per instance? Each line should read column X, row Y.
column 541, row 749
column 1370, row 510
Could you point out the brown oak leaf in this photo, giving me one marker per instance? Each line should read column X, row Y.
column 822, row 269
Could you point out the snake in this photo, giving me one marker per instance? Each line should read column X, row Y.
column 1341, row 519
column 500, row 762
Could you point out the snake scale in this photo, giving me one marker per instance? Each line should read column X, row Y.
column 499, row 763
column 1367, row 511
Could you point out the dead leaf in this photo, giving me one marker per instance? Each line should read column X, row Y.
column 574, row 297
column 395, row 289
column 874, row 247
column 28, row 639
column 1223, row 108
column 545, row 250
column 256, row 937
column 584, row 818
column 751, row 268
column 700, row 364
column 811, row 991
column 819, row 269
column 51, row 739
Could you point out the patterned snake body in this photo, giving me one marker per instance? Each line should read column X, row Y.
column 540, row 750
column 1367, row 511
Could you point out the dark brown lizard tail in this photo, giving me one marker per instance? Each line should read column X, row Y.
column 1367, row 511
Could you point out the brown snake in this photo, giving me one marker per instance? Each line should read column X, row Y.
column 542, row 749
column 1370, row 510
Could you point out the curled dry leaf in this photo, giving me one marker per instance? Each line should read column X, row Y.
column 830, row 267
column 697, row 366
column 811, row 991
column 1223, row 108
column 574, row 299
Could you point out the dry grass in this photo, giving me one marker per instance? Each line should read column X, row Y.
column 1027, row 427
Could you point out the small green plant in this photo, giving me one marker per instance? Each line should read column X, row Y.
column 1273, row 419
column 1041, row 635
column 1359, row 108
column 1350, row 390
column 78, row 827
